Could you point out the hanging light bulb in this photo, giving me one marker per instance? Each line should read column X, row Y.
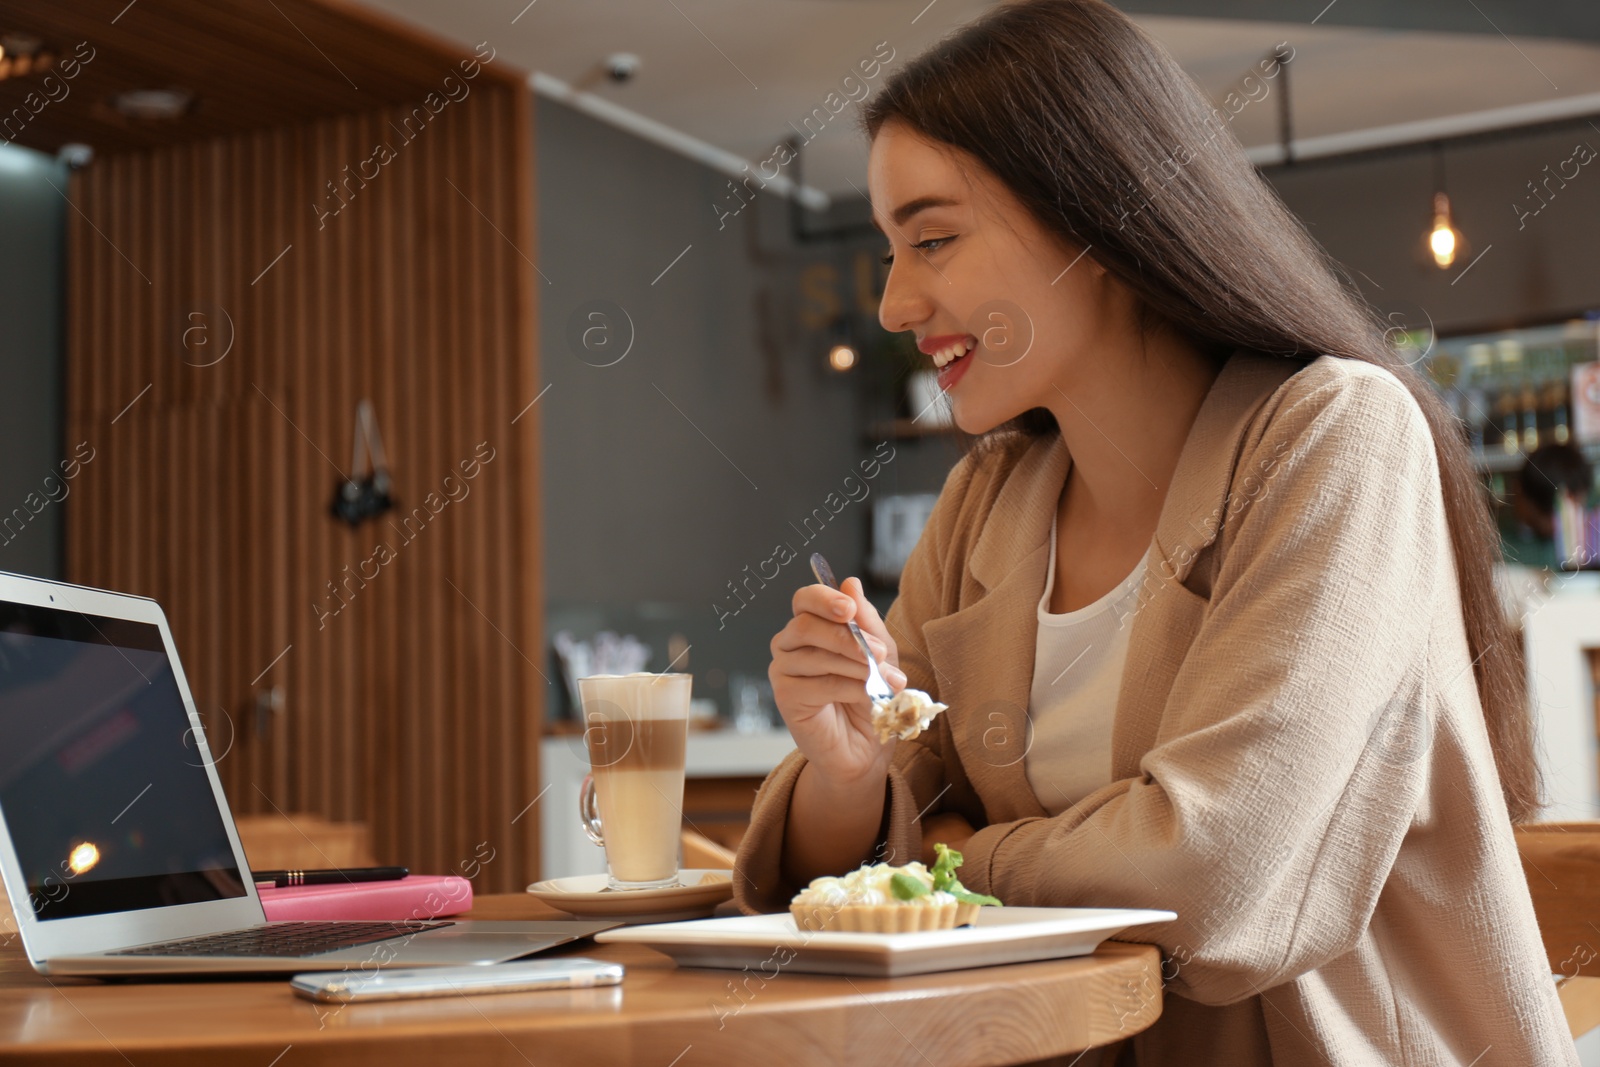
column 842, row 354
column 1444, row 242
column 1443, row 239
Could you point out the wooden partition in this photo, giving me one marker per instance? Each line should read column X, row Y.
column 230, row 301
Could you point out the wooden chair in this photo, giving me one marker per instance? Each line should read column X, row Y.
column 1561, row 861
column 700, row 851
column 301, row 841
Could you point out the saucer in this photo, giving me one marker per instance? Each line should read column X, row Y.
column 586, row 896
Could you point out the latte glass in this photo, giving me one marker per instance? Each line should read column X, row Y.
column 636, row 730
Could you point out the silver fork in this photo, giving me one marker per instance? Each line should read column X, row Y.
column 877, row 688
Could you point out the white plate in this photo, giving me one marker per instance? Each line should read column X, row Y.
column 999, row 935
column 586, row 897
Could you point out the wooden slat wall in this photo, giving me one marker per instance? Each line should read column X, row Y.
column 416, row 707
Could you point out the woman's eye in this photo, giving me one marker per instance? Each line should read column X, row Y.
column 930, row 245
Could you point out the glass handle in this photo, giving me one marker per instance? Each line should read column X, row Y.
column 589, row 811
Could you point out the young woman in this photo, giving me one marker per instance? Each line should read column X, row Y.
column 1211, row 607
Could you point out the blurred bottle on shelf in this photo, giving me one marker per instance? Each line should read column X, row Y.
column 1476, row 400
column 1505, row 432
column 1583, row 402
column 1558, row 395
column 1508, row 403
column 1444, row 370
column 1553, row 506
column 1528, row 398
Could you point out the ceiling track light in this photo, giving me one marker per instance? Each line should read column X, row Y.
column 153, row 105
column 22, row 54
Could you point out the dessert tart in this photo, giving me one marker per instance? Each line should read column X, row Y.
column 880, row 899
column 904, row 715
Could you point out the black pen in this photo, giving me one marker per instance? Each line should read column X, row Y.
column 281, row 879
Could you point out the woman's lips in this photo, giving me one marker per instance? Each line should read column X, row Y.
column 930, row 345
column 950, row 354
column 954, row 371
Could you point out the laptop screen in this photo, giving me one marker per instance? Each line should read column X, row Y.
column 102, row 785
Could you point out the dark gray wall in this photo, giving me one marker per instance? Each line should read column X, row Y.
column 1371, row 215
column 670, row 472
column 32, row 238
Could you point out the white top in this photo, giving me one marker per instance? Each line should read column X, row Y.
column 1077, row 673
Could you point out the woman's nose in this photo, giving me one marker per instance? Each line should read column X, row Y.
column 903, row 305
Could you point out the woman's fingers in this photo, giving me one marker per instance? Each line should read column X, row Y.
column 838, row 606
column 946, row 828
column 816, row 662
column 810, row 631
column 812, row 694
column 818, row 665
column 824, row 603
column 804, row 696
column 866, row 615
column 877, row 634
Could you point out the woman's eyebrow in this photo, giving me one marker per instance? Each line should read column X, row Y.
column 911, row 207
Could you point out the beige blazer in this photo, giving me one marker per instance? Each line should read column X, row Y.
column 1300, row 767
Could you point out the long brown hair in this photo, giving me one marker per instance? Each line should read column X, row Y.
column 1109, row 144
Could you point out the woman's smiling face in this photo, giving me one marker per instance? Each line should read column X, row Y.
column 974, row 273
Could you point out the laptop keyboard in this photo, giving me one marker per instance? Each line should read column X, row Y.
column 283, row 939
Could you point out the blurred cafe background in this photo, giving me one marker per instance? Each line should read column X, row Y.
column 419, row 356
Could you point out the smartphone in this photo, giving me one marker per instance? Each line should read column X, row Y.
column 342, row 987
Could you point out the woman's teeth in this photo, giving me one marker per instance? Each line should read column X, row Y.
column 950, row 353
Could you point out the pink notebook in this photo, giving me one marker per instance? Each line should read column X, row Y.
column 416, row 896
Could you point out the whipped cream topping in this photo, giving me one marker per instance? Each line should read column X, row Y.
column 870, row 885
column 904, row 715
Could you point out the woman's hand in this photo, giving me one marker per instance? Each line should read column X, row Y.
column 946, row 828
column 819, row 676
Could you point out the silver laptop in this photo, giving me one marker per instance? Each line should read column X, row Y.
column 117, row 847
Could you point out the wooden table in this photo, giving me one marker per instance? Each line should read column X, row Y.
column 660, row 1016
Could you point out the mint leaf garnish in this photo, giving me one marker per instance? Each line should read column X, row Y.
column 905, row 887
column 967, row 896
column 944, row 878
column 944, row 866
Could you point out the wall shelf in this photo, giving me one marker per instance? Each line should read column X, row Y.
column 1499, row 462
